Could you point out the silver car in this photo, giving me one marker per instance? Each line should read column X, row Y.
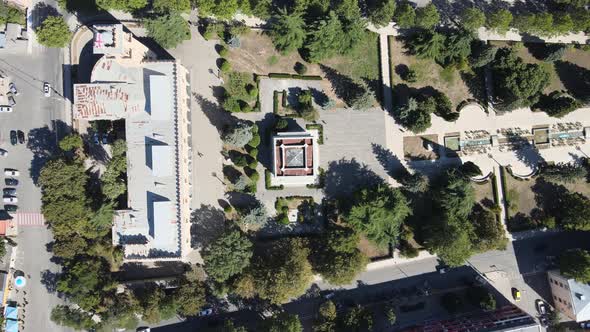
column 5, row 109
column 13, row 89
column 11, row 100
column 10, row 199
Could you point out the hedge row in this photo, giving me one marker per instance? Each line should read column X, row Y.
column 320, row 129
column 275, row 102
column 295, row 76
column 267, row 182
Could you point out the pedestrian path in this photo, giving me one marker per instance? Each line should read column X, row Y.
column 29, row 219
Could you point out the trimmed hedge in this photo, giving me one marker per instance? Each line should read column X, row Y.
column 275, row 102
column 284, row 101
column 296, row 76
column 320, row 129
column 267, row 182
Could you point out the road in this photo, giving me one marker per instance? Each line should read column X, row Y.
column 42, row 121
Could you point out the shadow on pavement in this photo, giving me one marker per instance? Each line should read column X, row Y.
column 207, row 223
column 343, row 177
column 43, row 143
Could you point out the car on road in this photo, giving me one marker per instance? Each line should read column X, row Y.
column 11, row 182
column 3, row 153
column 105, row 139
column 5, row 109
column 585, row 325
column 95, row 139
column 541, row 307
column 13, row 137
column 9, row 191
column 47, row 89
column 206, row 312
column 515, row 294
column 21, row 136
column 143, row 329
column 10, row 199
column 12, row 88
column 11, row 172
column 11, row 100
column 10, row 208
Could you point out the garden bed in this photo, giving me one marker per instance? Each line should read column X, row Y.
column 429, row 75
column 415, row 147
column 520, row 203
column 484, row 192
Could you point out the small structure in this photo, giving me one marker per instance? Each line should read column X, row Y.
column 11, row 318
column 295, row 158
column 570, row 297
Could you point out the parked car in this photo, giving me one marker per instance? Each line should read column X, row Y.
column 105, row 139
column 143, row 329
column 544, row 321
column 585, row 325
column 21, row 136
column 3, row 153
column 10, row 199
column 11, row 172
column 5, row 109
column 10, row 207
column 13, row 137
column 516, row 294
column 47, row 89
column 541, row 307
column 12, row 88
column 11, row 182
column 95, row 139
column 206, row 312
column 11, row 100
column 9, row 191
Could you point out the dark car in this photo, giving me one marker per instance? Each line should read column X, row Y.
column 9, row 191
column 11, row 182
column 21, row 137
column 13, row 137
column 10, row 208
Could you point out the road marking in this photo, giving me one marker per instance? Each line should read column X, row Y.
column 30, row 219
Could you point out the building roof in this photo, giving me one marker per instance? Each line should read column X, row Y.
column 295, row 158
column 580, row 296
column 108, row 39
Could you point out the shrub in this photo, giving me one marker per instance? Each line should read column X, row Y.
column 232, row 105
column 284, row 100
column 240, row 161
column 275, row 102
column 320, row 129
column 283, row 219
column 53, row 32
column 223, row 51
column 300, row 68
column 252, row 91
column 228, row 209
column 253, row 153
column 225, row 66
column 272, row 60
column 254, row 176
column 267, row 184
column 253, row 164
column 245, row 108
column 557, row 104
column 238, row 136
column 255, row 141
column 281, row 124
column 410, row 76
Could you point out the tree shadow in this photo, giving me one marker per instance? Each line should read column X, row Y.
column 390, row 162
column 548, row 196
column 475, row 83
column 207, row 223
column 344, row 177
column 49, row 280
column 41, row 12
column 265, row 128
column 344, row 87
column 42, row 143
column 575, row 79
column 219, row 118
column 526, row 152
column 242, row 201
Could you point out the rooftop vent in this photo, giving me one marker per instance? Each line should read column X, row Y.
column 581, row 296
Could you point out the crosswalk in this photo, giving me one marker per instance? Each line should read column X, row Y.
column 29, row 219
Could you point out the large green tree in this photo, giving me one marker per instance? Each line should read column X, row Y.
column 499, row 20
column 228, row 255
column 488, row 232
column 427, row 17
column 283, row 322
column 72, row 317
column 381, row 13
column 327, row 38
column 404, row 15
column 564, row 172
column 326, row 318
column 336, row 256
column 53, row 32
column 190, row 298
column 168, row 30
column 426, row 44
column 167, row 6
column 124, row 5
column 378, row 213
column 575, row 264
column 574, row 211
column 287, row 31
column 472, row 19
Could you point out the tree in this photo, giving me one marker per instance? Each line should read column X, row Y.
column 124, row 5
column 287, row 31
column 53, row 32
column 382, row 12
column 336, row 256
column 453, row 245
column 564, row 172
column 75, row 318
column 238, row 136
column 358, row 319
column 457, row 48
column 499, row 20
column 346, row 8
column 558, row 104
column 472, row 19
column 228, row 255
column 415, row 183
column 457, row 196
column 190, row 298
column 363, row 100
column 427, row 17
column 326, row 319
column 168, row 6
column 574, row 211
column 488, row 232
column 414, row 116
column 86, row 281
column 562, row 23
column 327, row 38
column 481, row 297
column 575, row 263
column 71, row 142
column 404, row 15
column 281, row 272
column 469, row 169
column 483, row 55
column 426, row 44
column 254, row 217
column 391, row 317
column 156, row 306
column 69, row 248
column 168, row 30
column 378, row 214
column 283, row 322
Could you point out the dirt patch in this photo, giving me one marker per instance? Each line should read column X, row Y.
column 581, row 187
column 484, row 193
column 415, row 147
column 369, row 249
column 429, row 74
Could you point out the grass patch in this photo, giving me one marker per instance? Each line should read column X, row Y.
column 447, row 74
column 362, row 62
column 320, row 129
column 267, row 183
column 272, row 60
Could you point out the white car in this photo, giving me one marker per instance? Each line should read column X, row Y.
column 206, row 312
column 3, row 153
column 47, row 89
column 11, row 172
column 5, row 109
column 10, row 199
